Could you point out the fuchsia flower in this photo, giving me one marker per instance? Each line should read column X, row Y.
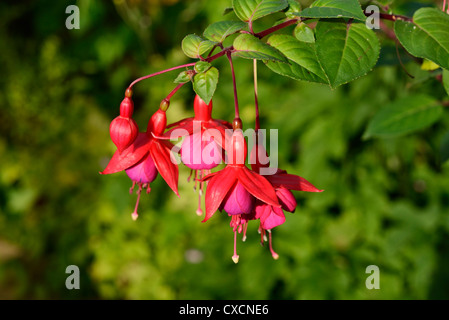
column 236, row 188
column 146, row 157
column 244, row 194
column 282, row 182
column 201, row 150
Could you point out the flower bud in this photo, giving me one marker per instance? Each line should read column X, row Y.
column 157, row 123
column 127, row 108
column 123, row 132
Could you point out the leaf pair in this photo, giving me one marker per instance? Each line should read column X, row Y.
column 341, row 53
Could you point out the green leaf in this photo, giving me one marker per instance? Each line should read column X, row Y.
column 334, row 9
column 194, row 46
column 219, row 31
column 202, row 66
column 303, row 62
column 251, row 10
column 427, row 36
column 346, row 52
column 446, row 80
column 404, row 116
column 293, row 7
column 183, row 77
column 249, row 47
column 205, row 84
column 304, row 33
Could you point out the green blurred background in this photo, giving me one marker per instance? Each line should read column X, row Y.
column 385, row 202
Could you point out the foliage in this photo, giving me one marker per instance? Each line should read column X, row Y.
column 385, row 201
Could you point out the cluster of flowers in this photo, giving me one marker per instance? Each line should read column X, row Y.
column 244, row 194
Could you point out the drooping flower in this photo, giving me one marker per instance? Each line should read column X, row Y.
column 236, row 188
column 282, row 182
column 146, row 157
column 202, row 148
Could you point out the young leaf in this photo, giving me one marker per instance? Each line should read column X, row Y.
column 404, row 116
column 205, row 84
column 446, row 80
column 220, row 30
column 334, row 9
column 303, row 62
column 251, row 10
column 202, row 66
column 249, row 47
column 427, row 36
column 183, row 77
column 194, row 46
column 304, row 33
column 345, row 51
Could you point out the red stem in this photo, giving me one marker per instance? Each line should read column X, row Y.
column 160, row 72
column 236, row 101
column 220, row 54
column 280, row 26
column 170, row 95
column 256, row 100
column 393, row 17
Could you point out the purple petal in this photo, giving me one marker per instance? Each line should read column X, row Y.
column 238, row 200
column 269, row 216
column 145, row 171
column 219, row 185
column 286, row 199
column 197, row 154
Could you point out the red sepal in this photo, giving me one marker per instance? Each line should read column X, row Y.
column 292, row 182
column 217, row 189
column 130, row 156
column 167, row 168
column 258, row 186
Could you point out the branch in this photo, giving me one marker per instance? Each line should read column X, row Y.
column 394, row 17
column 280, row 26
column 391, row 17
column 160, row 72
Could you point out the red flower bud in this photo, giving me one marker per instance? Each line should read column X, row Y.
column 126, row 108
column 123, row 132
column 157, row 123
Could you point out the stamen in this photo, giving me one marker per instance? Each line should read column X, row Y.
column 132, row 187
column 273, row 253
column 190, row 176
column 135, row 215
column 245, row 227
column 235, row 257
column 196, row 180
column 199, row 211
